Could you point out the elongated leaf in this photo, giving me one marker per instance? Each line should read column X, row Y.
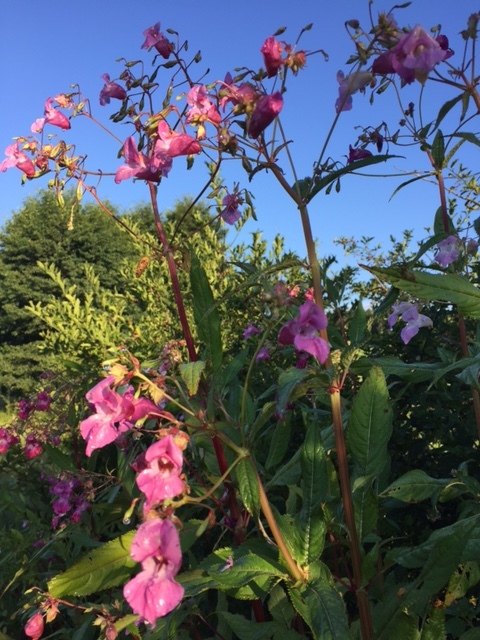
column 446, row 107
column 287, row 382
column 237, row 567
column 365, row 502
column 251, row 630
column 103, row 568
column 414, row 486
column 279, row 442
column 322, row 608
column 314, row 471
column 357, row 325
column 439, row 225
column 370, row 425
column 469, row 137
column 438, row 150
column 207, row 317
column 407, row 182
column 434, row 628
column 446, row 287
column 248, row 485
column 191, row 373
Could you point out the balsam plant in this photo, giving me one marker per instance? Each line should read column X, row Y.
column 247, row 489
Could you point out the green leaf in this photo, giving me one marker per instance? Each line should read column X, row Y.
column 248, row 485
column 414, row 486
column 446, row 107
column 438, row 150
column 466, row 575
column 434, row 627
column 439, row 226
column 357, row 325
column 365, row 504
column 314, row 470
column 191, row 372
column 233, row 568
column 427, row 286
column 469, row 137
column 279, row 442
column 103, row 568
column 245, row 629
column 370, row 425
column 322, row 608
column 287, row 382
column 207, row 317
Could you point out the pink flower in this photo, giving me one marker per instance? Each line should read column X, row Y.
column 154, row 38
column 111, row 90
column 114, row 415
column 33, row 448
column 7, row 439
column 414, row 320
column 138, row 165
column 303, row 331
column 413, row 57
column 16, row 158
column 349, row 85
column 153, row 592
column 250, row 331
column 230, row 214
column 262, row 355
column 201, row 109
column 160, row 479
column 448, row 251
column 272, row 56
column 171, row 144
column 266, row 110
column 242, row 97
column 357, row 154
column 43, row 401
column 35, row 626
column 55, row 117
column 25, row 408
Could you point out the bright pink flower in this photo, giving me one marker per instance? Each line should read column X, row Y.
column 230, row 214
column 160, row 479
column 111, row 90
column 138, row 165
column 33, row 448
column 35, row 626
column 413, row 57
column 16, row 158
column 7, row 439
column 303, row 331
column 55, row 117
column 114, row 415
column 201, row 109
column 414, row 320
column 266, row 110
column 171, row 144
column 448, row 251
column 154, row 38
column 242, row 97
column 272, row 55
column 153, row 592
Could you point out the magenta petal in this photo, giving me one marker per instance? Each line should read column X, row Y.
column 97, row 433
column 158, row 538
column 317, row 347
column 152, row 596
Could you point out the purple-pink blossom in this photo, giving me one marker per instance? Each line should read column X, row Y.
column 349, row 85
column 266, row 110
column 138, row 165
column 33, row 447
column 413, row 56
column 230, row 213
column 448, row 251
column 414, row 321
column 355, row 154
column 155, row 38
column 153, row 592
column 272, row 51
column 250, row 331
column 161, row 477
column 303, row 332
column 16, row 158
column 7, row 439
column 263, row 354
column 171, row 144
column 111, row 90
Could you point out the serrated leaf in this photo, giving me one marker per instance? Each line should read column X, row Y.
column 370, row 425
column 191, row 372
column 234, row 568
column 103, row 568
column 279, row 442
column 414, row 486
column 207, row 317
column 322, row 608
column 365, row 504
column 248, row 485
column 438, row 150
column 428, row 286
column 357, row 325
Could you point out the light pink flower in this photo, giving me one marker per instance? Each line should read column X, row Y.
column 230, row 213
column 266, row 110
column 161, row 478
column 414, row 320
column 35, row 626
column 111, row 90
column 138, row 165
column 153, row 592
column 272, row 51
column 16, row 158
column 114, row 414
column 413, row 57
column 154, row 38
column 303, row 332
column 171, row 144
column 448, row 251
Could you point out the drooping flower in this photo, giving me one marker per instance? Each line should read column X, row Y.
column 448, row 251
column 16, row 158
column 266, row 110
column 230, row 213
column 35, row 626
column 303, row 332
column 272, row 51
column 161, row 478
column 171, row 144
column 355, row 154
column 25, row 408
column 154, row 38
column 50, row 116
column 413, row 57
column 138, row 165
column 114, row 414
column 414, row 320
column 33, row 447
column 250, row 331
column 111, row 90
column 7, row 439
column 348, row 85
column 153, row 592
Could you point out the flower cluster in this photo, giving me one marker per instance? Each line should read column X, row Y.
column 69, row 499
column 272, row 50
column 303, row 333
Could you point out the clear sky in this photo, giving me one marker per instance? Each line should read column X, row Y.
column 47, row 46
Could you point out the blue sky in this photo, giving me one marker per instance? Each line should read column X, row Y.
column 45, row 47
